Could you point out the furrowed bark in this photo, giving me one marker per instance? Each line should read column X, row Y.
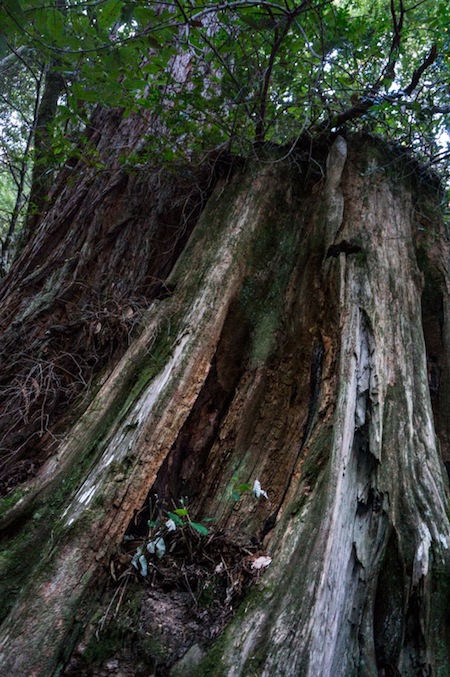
column 82, row 285
column 366, row 545
column 304, row 344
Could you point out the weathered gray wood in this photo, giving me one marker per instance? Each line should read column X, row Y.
column 292, row 350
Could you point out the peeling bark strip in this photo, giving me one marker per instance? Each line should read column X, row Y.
column 271, row 359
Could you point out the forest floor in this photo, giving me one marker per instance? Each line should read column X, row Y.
column 161, row 623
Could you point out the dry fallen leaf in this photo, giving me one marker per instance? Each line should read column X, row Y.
column 261, row 562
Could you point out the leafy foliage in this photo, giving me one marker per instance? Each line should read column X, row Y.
column 161, row 527
column 231, row 73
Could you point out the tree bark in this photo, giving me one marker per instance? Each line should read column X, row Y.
column 41, row 180
column 83, row 283
column 304, row 343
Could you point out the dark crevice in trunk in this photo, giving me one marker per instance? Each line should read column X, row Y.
column 314, row 387
column 181, row 474
column 42, row 172
column 388, row 626
column 416, row 632
column 438, row 368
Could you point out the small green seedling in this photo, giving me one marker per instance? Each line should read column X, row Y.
column 161, row 529
column 179, row 518
column 239, row 489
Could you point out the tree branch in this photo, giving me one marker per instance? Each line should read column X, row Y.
column 430, row 59
column 364, row 104
column 388, row 72
column 11, row 59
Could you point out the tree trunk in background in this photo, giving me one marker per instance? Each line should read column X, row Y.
column 299, row 336
column 42, row 174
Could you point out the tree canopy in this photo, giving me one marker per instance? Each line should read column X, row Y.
column 218, row 74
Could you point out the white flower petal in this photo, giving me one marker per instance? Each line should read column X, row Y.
column 257, row 491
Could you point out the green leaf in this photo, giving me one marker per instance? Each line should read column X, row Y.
column 144, row 15
column 109, row 14
column 258, row 22
column 40, row 20
column 55, row 23
column 178, row 521
column 4, row 49
column 242, row 487
column 80, row 23
column 13, row 7
column 73, row 42
column 200, row 528
column 181, row 511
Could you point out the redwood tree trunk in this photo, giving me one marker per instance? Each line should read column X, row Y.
column 302, row 340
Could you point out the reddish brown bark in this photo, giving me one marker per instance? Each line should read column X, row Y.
column 292, row 349
column 76, row 296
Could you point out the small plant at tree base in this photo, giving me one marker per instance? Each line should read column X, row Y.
column 164, row 523
column 162, row 528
